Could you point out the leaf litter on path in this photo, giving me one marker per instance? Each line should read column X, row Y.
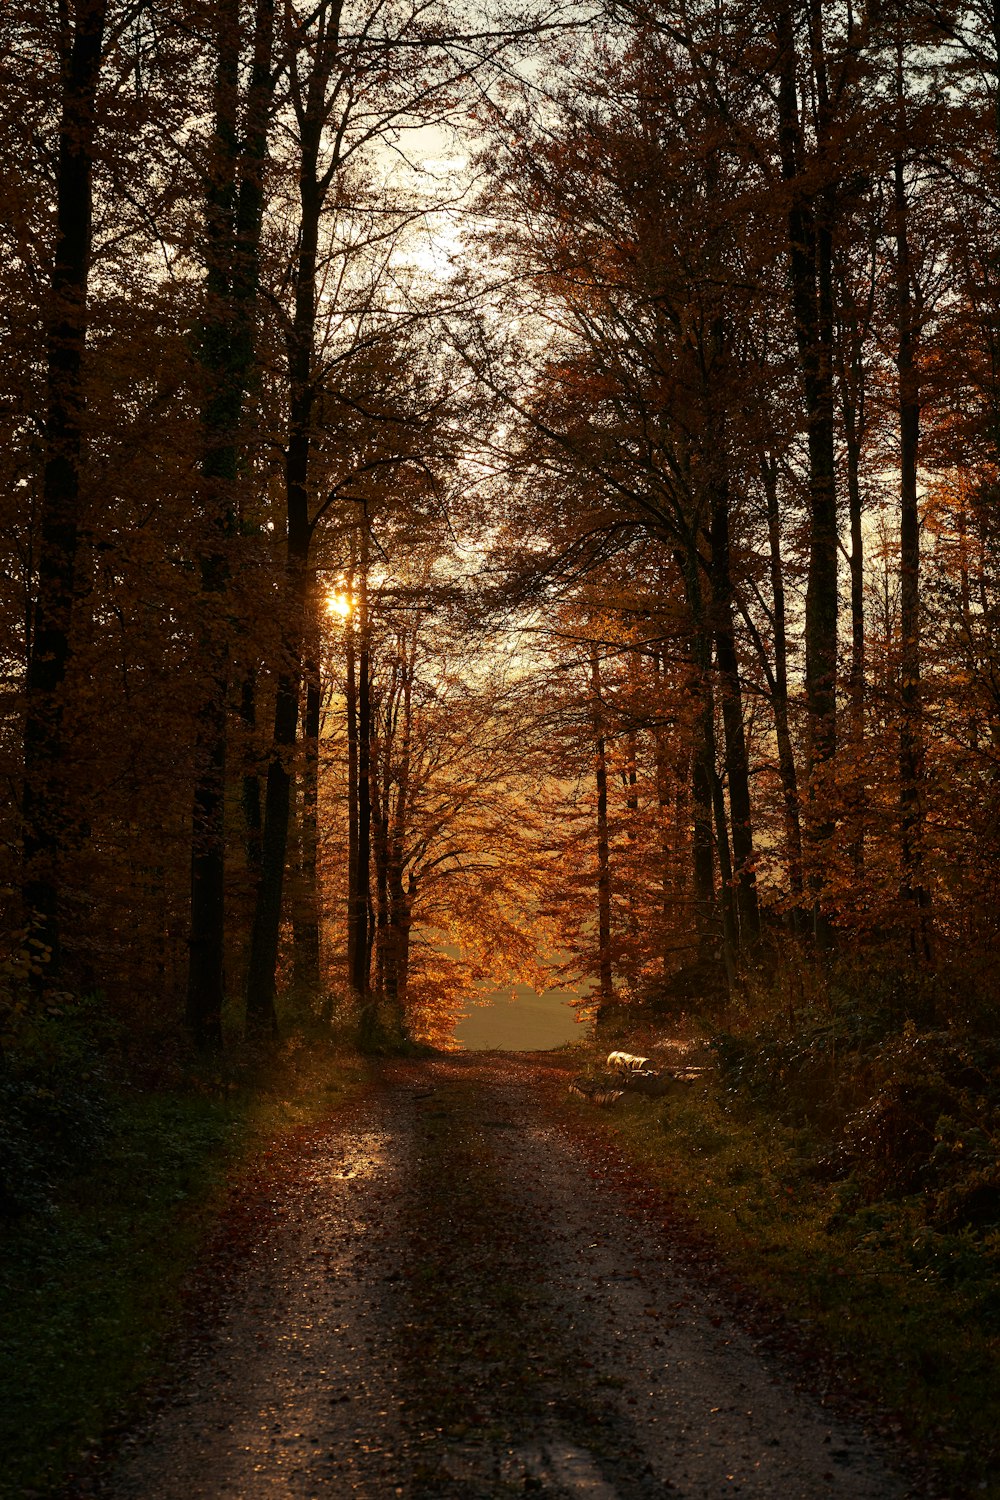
column 458, row 1305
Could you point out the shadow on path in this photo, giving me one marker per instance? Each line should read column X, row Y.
column 455, row 1309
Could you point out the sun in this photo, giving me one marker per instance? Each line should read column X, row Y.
column 339, row 605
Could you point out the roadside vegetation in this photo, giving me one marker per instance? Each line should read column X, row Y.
column 115, row 1176
column 839, row 1154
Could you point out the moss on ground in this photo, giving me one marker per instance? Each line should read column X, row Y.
column 909, row 1307
column 93, row 1262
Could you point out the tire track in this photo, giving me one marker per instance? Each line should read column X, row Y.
column 455, row 1309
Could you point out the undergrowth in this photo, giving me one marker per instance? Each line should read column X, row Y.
column 844, row 1156
column 113, row 1172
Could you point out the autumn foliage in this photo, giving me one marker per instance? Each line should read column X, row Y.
column 617, row 600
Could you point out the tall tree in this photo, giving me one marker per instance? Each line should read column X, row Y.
column 306, row 916
column 909, row 318
column 233, row 220
column 51, row 827
column 605, row 962
column 810, row 252
column 353, row 81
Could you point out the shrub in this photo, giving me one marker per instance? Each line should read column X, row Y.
column 56, row 1107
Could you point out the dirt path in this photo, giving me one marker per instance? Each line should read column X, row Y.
column 454, row 1307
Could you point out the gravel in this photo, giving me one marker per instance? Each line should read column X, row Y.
column 456, row 1307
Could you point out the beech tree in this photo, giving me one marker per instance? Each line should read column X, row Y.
column 81, row 83
column 635, row 397
column 728, row 312
column 634, row 417
column 356, row 80
column 234, row 206
column 48, row 819
column 450, row 756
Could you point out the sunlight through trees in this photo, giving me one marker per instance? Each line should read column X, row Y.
column 486, row 486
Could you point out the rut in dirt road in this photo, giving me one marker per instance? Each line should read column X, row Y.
column 455, row 1308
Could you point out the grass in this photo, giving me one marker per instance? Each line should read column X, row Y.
column 92, row 1277
column 910, row 1313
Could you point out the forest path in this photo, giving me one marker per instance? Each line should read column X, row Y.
column 456, row 1306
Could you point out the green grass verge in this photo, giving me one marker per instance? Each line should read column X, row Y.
column 913, row 1318
column 91, row 1284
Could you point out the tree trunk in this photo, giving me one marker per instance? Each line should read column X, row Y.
column 810, row 257
column 629, row 961
column 356, row 908
column 306, row 915
column 399, row 906
column 250, row 197
column 380, row 772
column 911, row 750
column 261, row 1018
column 670, row 797
column 854, row 327
column 250, row 792
column 49, row 806
column 703, row 773
column 604, row 961
column 737, row 760
column 363, row 924
column 232, row 254
column 856, row 684
column 779, row 690
column 727, row 906
column 702, row 837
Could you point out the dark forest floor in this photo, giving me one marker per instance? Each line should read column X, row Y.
column 455, row 1295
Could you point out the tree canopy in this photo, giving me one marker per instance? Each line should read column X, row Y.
column 498, row 495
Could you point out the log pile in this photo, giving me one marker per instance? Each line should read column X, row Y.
column 637, row 1076
column 595, row 1089
column 624, row 1073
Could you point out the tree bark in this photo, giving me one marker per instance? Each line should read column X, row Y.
column 779, row 688
column 737, row 760
column 250, row 792
column 702, row 836
column 727, row 906
column 220, row 414
column 49, row 807
column 363, row 925
column 261, row 1016
column 232, row 253
column 853, row 428
column 399, row 905
column 671, row 796
column 703, row 773
column 380, row 777
column 306, row 916
column 810, row 258
column 604, row 958
column 356, row 908
column 911, row 750
column 629, row 958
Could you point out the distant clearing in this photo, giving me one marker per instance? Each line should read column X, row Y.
column 528, row 1023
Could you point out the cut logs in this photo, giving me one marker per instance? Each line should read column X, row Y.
column 595, row 1090
column 626, row 1062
